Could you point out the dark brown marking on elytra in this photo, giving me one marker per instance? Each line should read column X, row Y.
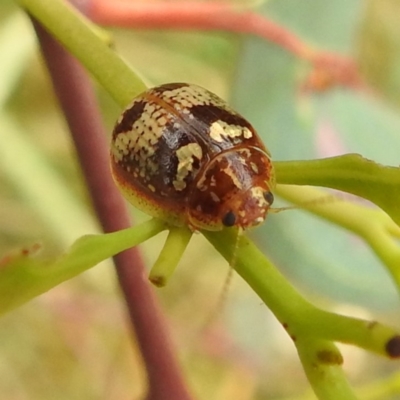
column 129, row 116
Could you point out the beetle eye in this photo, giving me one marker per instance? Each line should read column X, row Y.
column 269, row 197
column 229, row 219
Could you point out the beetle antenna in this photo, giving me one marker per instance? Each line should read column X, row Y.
column 319, row 201
column 226, row 285
column 239, row 234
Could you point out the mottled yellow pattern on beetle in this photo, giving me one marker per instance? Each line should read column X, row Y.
column 186, row 156
column 220, row 130
column 138, row 144
column 187, row 96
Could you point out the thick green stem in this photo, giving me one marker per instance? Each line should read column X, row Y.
column 174, row 247
column 351, row 173
column 299, row 317
column 23, row 278
column 322, row 364
column 79, row 37
column 261, row 275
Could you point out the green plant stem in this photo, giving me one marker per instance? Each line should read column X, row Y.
column 174, row 247
column 299, row 317
column 105, row 245
column 78, row 36
column 22, row 278
column 293, row 311
column 322, row 364
column 350, row 173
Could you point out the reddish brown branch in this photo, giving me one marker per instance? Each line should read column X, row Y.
column 328, row 69
column 192, row 16
column 79, row 104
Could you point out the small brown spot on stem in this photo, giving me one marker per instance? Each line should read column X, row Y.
column 158, row 281
column 329, row 357
column 393, row 347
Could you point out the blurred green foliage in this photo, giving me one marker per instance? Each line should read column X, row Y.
column 378, row 49
column 71, row 342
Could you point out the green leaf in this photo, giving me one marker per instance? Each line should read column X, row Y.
column 350, row 173
column 23, row 277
